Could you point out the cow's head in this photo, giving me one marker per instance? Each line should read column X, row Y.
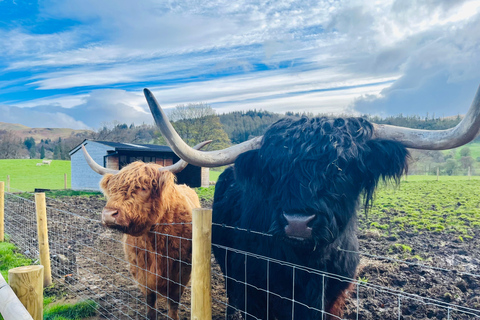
column 135, row 196
column 138, row 195
column 309, row 174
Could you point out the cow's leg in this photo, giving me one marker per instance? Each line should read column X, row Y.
column 337, row 307
column 151, row 301
column 174, row 300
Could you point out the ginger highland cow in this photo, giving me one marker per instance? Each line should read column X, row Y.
column 145, row 203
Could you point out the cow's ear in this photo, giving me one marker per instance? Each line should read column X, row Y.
column 162, row 180
column 384, row 160
column 246, row 166
column 104, row 182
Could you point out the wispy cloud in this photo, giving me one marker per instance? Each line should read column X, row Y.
column 81, row 58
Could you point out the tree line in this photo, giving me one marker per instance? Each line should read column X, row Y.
column 199, row 122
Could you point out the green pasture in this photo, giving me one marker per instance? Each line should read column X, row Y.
column 423, row 204
column 25, row 175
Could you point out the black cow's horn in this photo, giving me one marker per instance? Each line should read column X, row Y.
column 202, row 159
column 174, row 168
column 461, row 134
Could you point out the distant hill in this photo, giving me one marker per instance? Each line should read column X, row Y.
column 38, row 134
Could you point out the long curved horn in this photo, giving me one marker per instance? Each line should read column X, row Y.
column 95, row 166
column 198, row 158
column 174, row 168
column 462, row 133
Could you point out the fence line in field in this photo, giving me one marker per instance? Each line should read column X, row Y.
column 363, row 253
column 88, row 262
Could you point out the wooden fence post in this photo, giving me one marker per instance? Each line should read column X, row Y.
column 438, row 172
column 65, row 180
column 2, row 211
column 42, row 231
column 8, row 183
column 27, row 283
column 10, row 307
column 201, row 264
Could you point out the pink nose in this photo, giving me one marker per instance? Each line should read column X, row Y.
column 297, row 226
column 109, row 215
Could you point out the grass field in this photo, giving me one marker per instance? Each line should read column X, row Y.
column 423, row 204
column 25, row 175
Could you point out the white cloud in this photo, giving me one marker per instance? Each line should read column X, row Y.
column 217, row 52
column 39, row 119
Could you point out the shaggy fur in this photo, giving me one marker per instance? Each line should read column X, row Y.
column 317, row 166
column 150, row 205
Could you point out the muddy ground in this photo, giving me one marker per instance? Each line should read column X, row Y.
column 88, row 262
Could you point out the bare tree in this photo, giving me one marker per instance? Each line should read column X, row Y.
column 10, row 145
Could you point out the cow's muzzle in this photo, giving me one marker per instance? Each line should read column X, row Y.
column 109, row 216
column 297, row 226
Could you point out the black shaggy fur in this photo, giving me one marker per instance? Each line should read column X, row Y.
column 315, row 166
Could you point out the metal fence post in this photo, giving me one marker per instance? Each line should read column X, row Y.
column 201, row 264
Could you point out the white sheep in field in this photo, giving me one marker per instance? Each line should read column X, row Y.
column 47, row 162
column 39, row 164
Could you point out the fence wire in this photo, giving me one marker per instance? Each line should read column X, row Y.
column 368, row 299
column 88, row 262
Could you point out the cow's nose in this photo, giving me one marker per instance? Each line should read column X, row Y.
column 297, row 226
column 109, row 215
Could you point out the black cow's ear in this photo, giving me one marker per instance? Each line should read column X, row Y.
column 384, row 160
column 246, row 166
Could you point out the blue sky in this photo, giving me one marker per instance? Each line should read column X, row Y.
column 84, row 63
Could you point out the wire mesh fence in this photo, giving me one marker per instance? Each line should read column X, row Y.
column 262, row 298
column 89, row 262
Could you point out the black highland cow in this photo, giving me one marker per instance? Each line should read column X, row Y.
column 300, row 185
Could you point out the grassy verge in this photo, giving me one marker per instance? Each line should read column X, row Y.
column 79, row 310
column 205, row 194
column 11, row 258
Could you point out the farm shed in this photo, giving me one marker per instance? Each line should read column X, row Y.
column 116, row 155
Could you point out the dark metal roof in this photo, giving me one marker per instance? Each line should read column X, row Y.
column 135, row 146
column 119, row 146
